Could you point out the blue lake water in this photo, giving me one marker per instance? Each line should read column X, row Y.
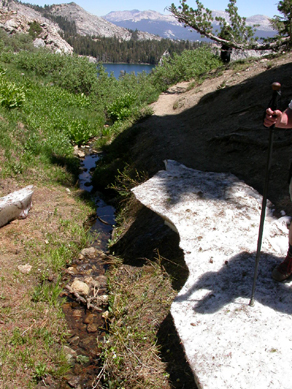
column 128, row 68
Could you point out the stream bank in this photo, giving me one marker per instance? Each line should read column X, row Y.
column 142, row 289
column 86, row 290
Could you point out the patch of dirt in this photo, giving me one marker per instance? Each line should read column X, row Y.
column 26, row 326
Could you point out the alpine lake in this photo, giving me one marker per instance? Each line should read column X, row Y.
column 119, row 69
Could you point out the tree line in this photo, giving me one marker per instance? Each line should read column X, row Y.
column 113, row 50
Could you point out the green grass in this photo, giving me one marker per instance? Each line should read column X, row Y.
column 140, row 299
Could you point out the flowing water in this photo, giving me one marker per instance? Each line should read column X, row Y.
column 105, row 214
column 87, row 327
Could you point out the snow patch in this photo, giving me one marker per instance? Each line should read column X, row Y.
column 228, row 343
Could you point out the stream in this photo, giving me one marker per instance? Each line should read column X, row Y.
column 87, row 326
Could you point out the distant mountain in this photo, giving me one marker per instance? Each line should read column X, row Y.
column 167, row 26
column 92, row 25
column 17, row 16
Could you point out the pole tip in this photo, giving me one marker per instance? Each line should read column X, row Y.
column 276, row 86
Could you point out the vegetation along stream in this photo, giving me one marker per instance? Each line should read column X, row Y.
column 86, row 323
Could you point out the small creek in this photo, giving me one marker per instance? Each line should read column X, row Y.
column 105, row 214
column 87, row 326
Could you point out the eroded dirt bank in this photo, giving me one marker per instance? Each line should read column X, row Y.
column 217, row 126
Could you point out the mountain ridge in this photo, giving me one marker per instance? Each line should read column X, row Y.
column 92, row 25
column 123, row 25
column 167, row 26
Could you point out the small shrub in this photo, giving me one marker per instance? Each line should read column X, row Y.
column 34, row 29
column 122, row 107
column 191, row 64
column 80, row 131
column 11, row 95
column 40, row 371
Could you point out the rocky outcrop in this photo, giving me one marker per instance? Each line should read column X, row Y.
column 88, row 24
column 17, row 19
column 92, row 25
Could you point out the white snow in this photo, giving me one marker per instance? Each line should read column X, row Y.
column 228, row 343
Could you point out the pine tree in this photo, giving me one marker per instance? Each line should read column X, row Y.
column 200, row 19
column 283, row 24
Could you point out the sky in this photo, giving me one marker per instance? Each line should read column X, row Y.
column 100, row 8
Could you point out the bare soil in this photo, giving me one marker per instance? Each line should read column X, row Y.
column 22, row 242
column 217, row 126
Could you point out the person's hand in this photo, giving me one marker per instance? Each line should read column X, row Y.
column 271, row 117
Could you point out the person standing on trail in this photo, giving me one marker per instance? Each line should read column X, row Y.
column 282, row 120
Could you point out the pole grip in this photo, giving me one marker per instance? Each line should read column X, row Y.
column 276, row 86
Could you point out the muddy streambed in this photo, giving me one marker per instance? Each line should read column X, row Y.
column 85, row 311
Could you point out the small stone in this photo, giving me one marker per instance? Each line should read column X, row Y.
column 89, row 319
column 71, row 270
column 74, row 341
column 102, row 280
column 80, row 287
column 51, row 277
column 89, row 252
column 77, row 313
column 88, row 280
column 95, row 284
column 79, row 153
column 70, row 353
column 25, row 269
column 74, row 381
column 104, row 299
column 48, row 380
column 91, row 328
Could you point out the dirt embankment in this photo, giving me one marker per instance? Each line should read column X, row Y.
column 217, row 126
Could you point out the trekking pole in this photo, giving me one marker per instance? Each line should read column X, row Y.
column 276, row 86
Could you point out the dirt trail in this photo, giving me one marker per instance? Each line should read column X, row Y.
column 183, row 96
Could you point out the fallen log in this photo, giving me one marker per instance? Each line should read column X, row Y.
column 16, row 205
